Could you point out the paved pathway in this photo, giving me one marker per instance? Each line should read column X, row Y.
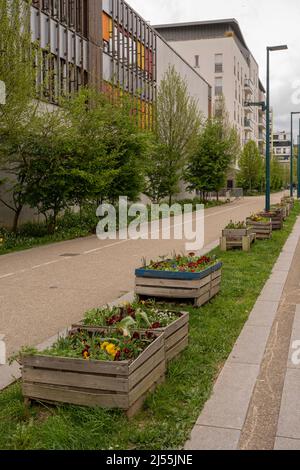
column 255, row 404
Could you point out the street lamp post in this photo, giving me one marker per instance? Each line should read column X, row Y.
column 292, row 155
column 268, row 157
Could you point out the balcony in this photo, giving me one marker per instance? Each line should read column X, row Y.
column 248, row 124
column 248, row 85
column 262, row 137
column 262, row 123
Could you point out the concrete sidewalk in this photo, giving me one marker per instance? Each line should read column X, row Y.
column 255, row 403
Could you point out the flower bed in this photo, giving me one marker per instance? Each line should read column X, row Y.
column 276, row 217
column 183, row 277
column 261, row 226
column 237, row 235
column 281, row 208
column 96, row 369
column 147, row 316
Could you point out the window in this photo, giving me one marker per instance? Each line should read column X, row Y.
column 218, row 63
column 197, row 66
column 218, row 86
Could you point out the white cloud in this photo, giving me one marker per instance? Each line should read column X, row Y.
column 263, row 23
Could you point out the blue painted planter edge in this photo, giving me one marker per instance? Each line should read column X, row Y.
column 141, row 272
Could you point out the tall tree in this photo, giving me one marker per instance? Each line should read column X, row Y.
column 217, row 148
column 251, row 167
column 178, row 122
column 17, row 70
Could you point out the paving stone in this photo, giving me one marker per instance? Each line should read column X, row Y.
column 9, row 374
column 279, row 276
column 289, row 419
column 282, row 443
column 282, row 266
column 229, row 403
column 294, row 347
column 263, row 313
column 211, row 438
column 251, row 345
column 272, row 292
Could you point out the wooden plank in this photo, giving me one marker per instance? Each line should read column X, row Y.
column 77, row 365
column 216, row 274
column 139, row 403
column 139, row 374
column 169, row 330
column 176, row 337
column 194, row 284
column 59, row 394
column 147, row 383
column 159, row 343
column 202, row 300
column 216, row 282
column 75, row 379
column 171, row 293
column 177, row 349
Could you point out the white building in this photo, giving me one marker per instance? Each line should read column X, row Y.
column 282, row 147
column 217, row 49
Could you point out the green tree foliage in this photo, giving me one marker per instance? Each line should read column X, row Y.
column 178, row 122
column 217, row 148
column 277, row 175
column 251, row 167
column 17, row 116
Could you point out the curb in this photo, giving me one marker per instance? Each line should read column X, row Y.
column 220, row 424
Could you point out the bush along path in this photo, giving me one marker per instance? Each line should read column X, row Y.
column 171, row 411
column 69, row 226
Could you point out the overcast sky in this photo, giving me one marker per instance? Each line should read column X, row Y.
column 263, row 23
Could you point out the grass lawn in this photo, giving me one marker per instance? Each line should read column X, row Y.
column 169, row 413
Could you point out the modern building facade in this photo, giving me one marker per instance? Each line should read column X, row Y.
column 282, row 147
column 105, row 43
column 217, row 49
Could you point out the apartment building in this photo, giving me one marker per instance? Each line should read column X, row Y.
column 218, row 50
column 282, row 147
column 107, row 44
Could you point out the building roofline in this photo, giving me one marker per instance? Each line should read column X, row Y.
column 261, row 87
column 183, row 60
column 231, row 21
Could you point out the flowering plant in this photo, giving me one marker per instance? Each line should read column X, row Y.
column 236, row 225
column 187, row 264
column 86, row 345
column 259, row 218
column 135, row 315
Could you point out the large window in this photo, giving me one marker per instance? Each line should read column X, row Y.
column 218, row 86
column 197, row 64
column 218, row 63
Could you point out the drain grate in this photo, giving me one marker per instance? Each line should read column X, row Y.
column 69, row 255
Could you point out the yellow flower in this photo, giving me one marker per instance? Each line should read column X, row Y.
column 111, row 349
column 104, row 345
column 86, row 355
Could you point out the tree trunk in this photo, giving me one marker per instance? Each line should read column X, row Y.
column 217, row 196
column 16, row 219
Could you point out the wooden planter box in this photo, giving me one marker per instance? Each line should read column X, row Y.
column 200, row 287
column 290, row 201
column 176, row 334
column 237, row 238
column 263, row 230
column 276, row 218
column 107, row 384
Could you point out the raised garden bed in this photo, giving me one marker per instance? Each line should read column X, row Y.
column 276, row 218
column 237, row 236
column 289, row 200
column 198, row 284
column 120, row 384
column 261, row 226
column 147, row 316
